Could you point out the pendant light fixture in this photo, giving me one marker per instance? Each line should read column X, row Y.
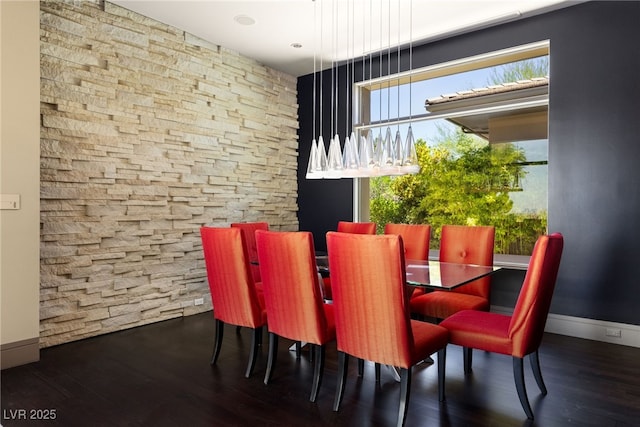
column 363, row 155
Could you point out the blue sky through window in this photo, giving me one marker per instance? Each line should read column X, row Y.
column 385, row 104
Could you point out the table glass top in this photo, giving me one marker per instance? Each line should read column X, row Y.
column 432, row 274
column 444, row 275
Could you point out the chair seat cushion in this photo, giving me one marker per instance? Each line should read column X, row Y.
column 480, row 330
column 442, row 304
column 416, row 292
column 427, row 339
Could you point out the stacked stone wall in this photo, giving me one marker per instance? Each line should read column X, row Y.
column 147, row 134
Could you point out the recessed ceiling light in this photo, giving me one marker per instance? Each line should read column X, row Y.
column 296, row 45
column 244, row 20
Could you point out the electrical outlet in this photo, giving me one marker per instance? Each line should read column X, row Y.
column 198, row 301
column 613, row 332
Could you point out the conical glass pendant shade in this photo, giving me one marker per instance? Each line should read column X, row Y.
column 355, row 152
column 386, row 153
column 345, row 153
column 317, row 160
column 378, row 142
column 366, row 152
column 398, row 151
column 410, row 156
column 312, row 172
column 350, row 157
column 334, row 159
column 321, row 157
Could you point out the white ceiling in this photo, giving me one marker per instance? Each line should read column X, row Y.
column 355, row 24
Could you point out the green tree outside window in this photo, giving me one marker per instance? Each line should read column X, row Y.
column 464, row 180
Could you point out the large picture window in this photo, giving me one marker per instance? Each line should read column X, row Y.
column 481, row 130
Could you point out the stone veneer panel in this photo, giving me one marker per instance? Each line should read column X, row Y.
column 147, row 134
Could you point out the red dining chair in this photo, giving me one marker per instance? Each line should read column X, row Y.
column 249, row 230
column 416, row 238
column 356, row 227
column 465, row 245
column 233, row 293
column 520, row 334
column 381, row 329
column 293, row 297
column 348, row 227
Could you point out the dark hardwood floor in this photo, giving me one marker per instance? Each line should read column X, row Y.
column 159, row 375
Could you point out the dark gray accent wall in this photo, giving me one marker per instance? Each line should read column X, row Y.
column 594, row 154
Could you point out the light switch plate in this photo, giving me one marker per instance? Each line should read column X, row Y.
column 9, row 201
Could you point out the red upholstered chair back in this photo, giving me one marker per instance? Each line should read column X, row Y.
column 353, row 228
column 249, row 230
column 415, row 238
column 357, row 227
column 531, row 310
column 292, row 292
column 233, row 291
column 469, row 245
column 377, row 328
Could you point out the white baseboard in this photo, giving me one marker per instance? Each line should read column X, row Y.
column 19, row 353
column 597, row 330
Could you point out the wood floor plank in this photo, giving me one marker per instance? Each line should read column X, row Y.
column 159, row 375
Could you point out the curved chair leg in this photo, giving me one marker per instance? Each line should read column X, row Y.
column 317, row 371
column 534, row 358
column 518, row 375
column 273, row 355
column 377, row 371
column 442, row 361
column 405, row 393
column 343, row 363
column 467, row 358
column 360, row 367
column 217, row 341
column 255, row 343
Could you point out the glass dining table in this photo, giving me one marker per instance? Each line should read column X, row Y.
column 431, row 275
